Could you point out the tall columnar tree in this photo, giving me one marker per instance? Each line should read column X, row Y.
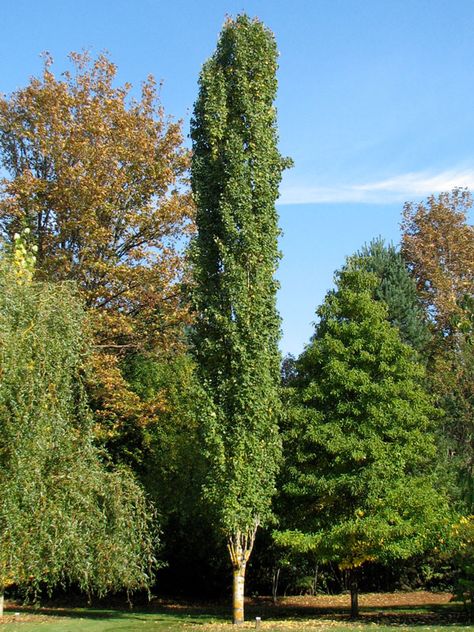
column 358, row 480
column 236, row 171
column 65, row 516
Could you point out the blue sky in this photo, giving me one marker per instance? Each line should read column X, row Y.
column 375, row 105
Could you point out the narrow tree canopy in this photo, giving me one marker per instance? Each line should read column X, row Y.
column 236, row 170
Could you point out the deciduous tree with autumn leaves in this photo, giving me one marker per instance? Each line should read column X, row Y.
column 98, row 177
column 438, row 245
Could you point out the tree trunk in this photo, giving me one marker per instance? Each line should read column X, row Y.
column 275, row 578
column 240, row 546
column 238, row 596
column 354, row 594
column 315, row 582
column 1, row 602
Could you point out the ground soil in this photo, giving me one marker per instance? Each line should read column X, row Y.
column 371, row 600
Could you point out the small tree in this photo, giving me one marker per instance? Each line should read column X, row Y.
column 358, row 481
column 236, row 170
column 65, row 517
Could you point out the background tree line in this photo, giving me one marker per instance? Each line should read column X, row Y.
column 159, row 364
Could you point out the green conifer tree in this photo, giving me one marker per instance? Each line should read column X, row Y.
column 396, row 288
column 236, row 171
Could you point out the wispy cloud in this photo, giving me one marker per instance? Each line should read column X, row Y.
column 399, row 188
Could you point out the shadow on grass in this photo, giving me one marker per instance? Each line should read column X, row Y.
column 205, row 613
column 430, row 614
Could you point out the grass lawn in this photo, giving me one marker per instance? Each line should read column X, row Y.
column 422, row 612
column 89, row 620
column 108, row 621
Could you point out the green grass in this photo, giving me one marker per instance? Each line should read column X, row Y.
column 180, row 617
column 93, row 620
column 89, row 620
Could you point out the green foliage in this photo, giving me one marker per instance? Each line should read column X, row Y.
column 236, row 170
column 396, row 288
column 172, row 468
column 463, row 535
column 453, row 379
column 65, row 517
column 359, row 446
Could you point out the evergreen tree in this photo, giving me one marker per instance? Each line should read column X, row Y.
column 396, row 288
column 236, row 170
column 358, row 480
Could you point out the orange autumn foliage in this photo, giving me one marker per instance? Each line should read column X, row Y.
column 438, row 244
column 99, row 178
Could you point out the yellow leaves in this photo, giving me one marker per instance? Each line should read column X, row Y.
column 24, row 257
column 119, row 409
column 356, row 561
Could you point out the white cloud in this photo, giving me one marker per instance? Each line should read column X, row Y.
column 399, row 188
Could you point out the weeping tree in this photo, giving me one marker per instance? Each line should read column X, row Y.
column 66, row 517
column 236, row 171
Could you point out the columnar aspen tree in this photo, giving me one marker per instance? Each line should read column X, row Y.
column 236, row 170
